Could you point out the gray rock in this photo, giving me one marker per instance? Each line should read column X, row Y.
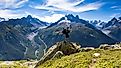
column 58, row 54
column 106, row 47
column 87, row 49
column 59, row 49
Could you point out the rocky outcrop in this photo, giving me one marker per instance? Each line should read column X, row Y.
column 59, row 49
column 108, row 47
column 87, row 49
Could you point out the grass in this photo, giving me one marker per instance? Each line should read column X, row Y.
column 107, row 59
column 14, row 64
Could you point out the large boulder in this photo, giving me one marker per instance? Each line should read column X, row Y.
column 59, row 49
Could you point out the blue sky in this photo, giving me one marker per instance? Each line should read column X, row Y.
column 52, row 10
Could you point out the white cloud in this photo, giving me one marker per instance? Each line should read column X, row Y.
column 113, row 7
column 116, row 7
column 6, row 1
column 62, row 3
column 21, row 3
column 53, row 18
column 115, row 15
column 12, row 3
column 88, row 7
column 50, row 19
column 8, row 14
column 33, row 15
column 65, row 5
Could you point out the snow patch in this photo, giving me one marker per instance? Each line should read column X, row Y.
column 106, row 32
column 42, row 27
column 92, row 35
column 65, row 22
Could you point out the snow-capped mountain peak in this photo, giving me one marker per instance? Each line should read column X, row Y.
column 65, row 22
column 113, row 23
column 98, row 24
column 2, row 19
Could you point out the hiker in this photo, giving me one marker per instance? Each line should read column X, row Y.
column 66, row 32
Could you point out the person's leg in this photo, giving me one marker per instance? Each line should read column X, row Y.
column 67, row 36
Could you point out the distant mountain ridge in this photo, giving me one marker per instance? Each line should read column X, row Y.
column 82, row 32
column 27, row 21
column 15, row 39
column 29, row 37
column 73, row 19
column 2, row 19
column 113, row 28
column 98, row 24
column 114, row 22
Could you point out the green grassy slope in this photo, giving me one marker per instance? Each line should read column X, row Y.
column 17, row 64
column 107, row 59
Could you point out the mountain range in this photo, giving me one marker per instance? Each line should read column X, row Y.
column 15, row 38
column 112, row 28
column 2, row 19
column 29, row 37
